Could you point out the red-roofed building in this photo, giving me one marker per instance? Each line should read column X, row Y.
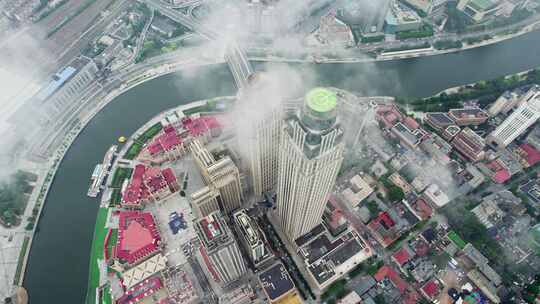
column 528, row 154
column 138, row 237
column 148, row 184
column 402, row 257
column 383, row 229
column 431, row 290
column 500, row 173
column 387, row 274
column 167, row 146
column 420, row 208
column 389, row 115
column 140, row 291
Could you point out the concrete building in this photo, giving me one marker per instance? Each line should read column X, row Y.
column 264, row 152
column 357, row 191
column 62, row 94
column 400, row 19
column 506, row 102
column 311, row 155
column 219, row 249
column 251, row 237
column 205, row 201
column 518, row 122
column 479, row 10
column 469, row 144
column 278, row 286
column 429, row 7
column 534, row 138
column 468, row 116
column 219, row 171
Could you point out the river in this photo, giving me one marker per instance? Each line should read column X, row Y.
column 58, row 265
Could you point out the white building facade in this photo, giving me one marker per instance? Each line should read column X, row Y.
column 518, row 122
column 310, row 158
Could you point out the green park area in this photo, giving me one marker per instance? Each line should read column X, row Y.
column 485, row 91
column 100, row 233
column 120, row 175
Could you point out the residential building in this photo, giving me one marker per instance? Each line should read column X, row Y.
column 357, row 191
column 518, row 122
column 251, row 237
column 469, row 144
column 220, row 171
column 205, row 201
column 436, row 196
column 219, row 249
column 311, row 155
column 534, row 138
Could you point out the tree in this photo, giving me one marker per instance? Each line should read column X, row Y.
column 395, row 193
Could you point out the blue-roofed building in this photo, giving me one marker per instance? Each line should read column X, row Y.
column 56, row 83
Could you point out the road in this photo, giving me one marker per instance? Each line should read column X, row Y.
column 235, row 56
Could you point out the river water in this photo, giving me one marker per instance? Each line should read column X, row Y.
column 58, row 266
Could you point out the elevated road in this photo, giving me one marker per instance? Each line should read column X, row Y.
column 235, row 56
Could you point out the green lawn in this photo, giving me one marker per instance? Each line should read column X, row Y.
column 20, row 261
column 97, row 253
column 133, row 151
column 452, row 236
column 119, row 176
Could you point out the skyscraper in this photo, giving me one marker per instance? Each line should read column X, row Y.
column 219, row 249
column 519, row 121
column 310, row 158
column 264, row 152
column 220, row 173
column 251, row 237
column 205, row 200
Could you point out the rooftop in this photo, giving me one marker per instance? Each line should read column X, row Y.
column 138, row 236
column 276, row 281
column 321, row 100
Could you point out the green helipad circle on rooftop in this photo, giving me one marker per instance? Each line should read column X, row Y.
column 321, row 100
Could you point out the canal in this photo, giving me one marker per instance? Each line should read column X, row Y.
column 58, row 266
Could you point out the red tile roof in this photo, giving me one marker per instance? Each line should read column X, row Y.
column 431, row 289
column 422, row 208
column 532, row 156
column 401, row 256
column 138, row 236
column 384, row 218
column 386, row 272
column 141, row 290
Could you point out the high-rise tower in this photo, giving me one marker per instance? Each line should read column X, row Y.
column 222, row 173
column 519, row 121
column 264, row 152
column 219, row 248
column 310, row 158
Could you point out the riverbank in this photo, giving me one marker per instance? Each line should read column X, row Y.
column 40, row 193
column 398, row 55
column 97, row 289
column 67, row 227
